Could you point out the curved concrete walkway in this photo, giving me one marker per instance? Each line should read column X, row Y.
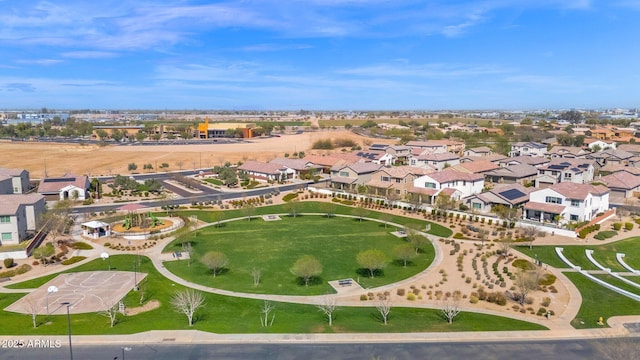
column 559, row 326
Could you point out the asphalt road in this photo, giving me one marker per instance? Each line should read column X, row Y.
column 537, row 350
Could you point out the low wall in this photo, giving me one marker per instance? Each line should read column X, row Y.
column 177, row 223
column 18, row 254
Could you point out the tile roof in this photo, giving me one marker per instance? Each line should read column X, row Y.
column 578, row 191
column 261, row 167
column 548, row 208
column 450, row 174
column 621, row 180
column 322, row 160
column 479, row 166
column 54, row 185
column 446, row 156
column 11, row 172
column 404, row 171
column 516, row 171
column 9, row 204
column 531, row 160
column 480, row 149
column 434, row 143
column 296, row 164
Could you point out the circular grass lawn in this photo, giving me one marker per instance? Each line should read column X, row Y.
column 273, row 247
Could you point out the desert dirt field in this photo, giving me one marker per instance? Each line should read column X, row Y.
column 94, row 160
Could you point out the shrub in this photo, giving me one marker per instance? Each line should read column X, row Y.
column 628, row 226
column 473, row 299
column 8, row 263
column 617, row 226
column 411, row 296
column 400, row 292
column 363, row 297
column 546, row 302
column 289, row 197
column 73, row 260
column 547, row 279
column 458, row 236
column 79, row 245
column 523, row 264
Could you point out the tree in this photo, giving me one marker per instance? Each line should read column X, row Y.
column 256, row 274
column 33, row 311
column 384, row 308
column 505, row 246
column 101, row 134
column 451, row 307
column 529, row 233
column 117, row 135
column 415, row 238
column 306, row 268
column 525, row 282
column 132, row 167
column 111, row 312
column 328, row 306
column 214, row 261
column 386, row 219
column 404, row 253
column 187, row 302
column 328, row 208
column 293, row 207
column 141, row 136
column 360, row 212
column 482, row 236
column 249, row 210
column 265, row 310
column 372, row 260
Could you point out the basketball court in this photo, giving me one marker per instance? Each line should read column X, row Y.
column 87, row 292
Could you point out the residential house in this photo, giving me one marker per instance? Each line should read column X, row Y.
column 437, row 161
column 529, row 160
column 66, row 187
column 622, row 185
column 528, row 149
column 476, row 167
column 324, row 162
column 455, row 147
column 519, row 174
column 567, row 152
column 270, row 172
column 463, row 183
column 377, row 157
column 301, row 168
column 494, row 158
column 568, row 202
column 610, row 156
column 348, row 177
column 577, row 171
column 478, row 151
column 598, row 144
column 394, row 182
column 19, row 216
column 400, row 153
column 632, row 148
column 14, row 181
column 509, row 195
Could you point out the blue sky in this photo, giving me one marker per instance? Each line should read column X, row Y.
column 320, row 54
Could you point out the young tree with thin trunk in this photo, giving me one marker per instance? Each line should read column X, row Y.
column 256, row 274
column 525, row 282
column 386, row 219
column 415, row 238
column 327, row 307
column 405, row 253
column 112, row 313
column 214, row 261
column 451, row 307
column 265, row 312
column 306, row 268
column 529, row 233
column 360, row 212
column 482, row 236
column 384, row 308
column 505, row 246
column 372, row 260
column 249, row 210
column 33, row 311
column 187, row 302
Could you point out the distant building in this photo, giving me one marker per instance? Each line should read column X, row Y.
column 207, row 130
column 65, row 187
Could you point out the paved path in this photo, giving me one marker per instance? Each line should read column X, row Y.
column 559, row 326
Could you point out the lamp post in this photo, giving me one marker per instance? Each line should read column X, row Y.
column 135, row 275
column 125, row 348
column 68, row 305
column 105, row 256
column 50, row 289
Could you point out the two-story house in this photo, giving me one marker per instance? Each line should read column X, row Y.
column 567, row 202
column 509, row 195
column 394, row 182
column 464, row 184
column 400, row 153
column 348, row 177
column 577, row 171
column 528, row 149
column 437, row 161
column 19, row 215
column 520, row 173
column 14, row 181
column 455, row 147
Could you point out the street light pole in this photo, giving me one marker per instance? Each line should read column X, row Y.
column 68, row 305
column 135, row 274
column 125, row 348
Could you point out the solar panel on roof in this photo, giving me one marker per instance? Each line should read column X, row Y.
column 512, row 194
column 556, row 167
column 55, row 180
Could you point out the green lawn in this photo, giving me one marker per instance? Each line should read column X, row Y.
column 315, row 207
column 214, row 181
column 598, row 301
column 274, row 246
column 618, row 283
column 237, row 315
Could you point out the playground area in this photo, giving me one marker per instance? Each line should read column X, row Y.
column 87, row 292
column 141, row 222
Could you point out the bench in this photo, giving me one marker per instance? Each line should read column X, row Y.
column 345, row 282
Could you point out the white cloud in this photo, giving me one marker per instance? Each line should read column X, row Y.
column 44, row 62
column 89, row 54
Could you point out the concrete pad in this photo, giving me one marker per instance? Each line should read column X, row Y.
column 88, row 292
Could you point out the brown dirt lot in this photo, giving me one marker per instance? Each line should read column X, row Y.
column 94, row 160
